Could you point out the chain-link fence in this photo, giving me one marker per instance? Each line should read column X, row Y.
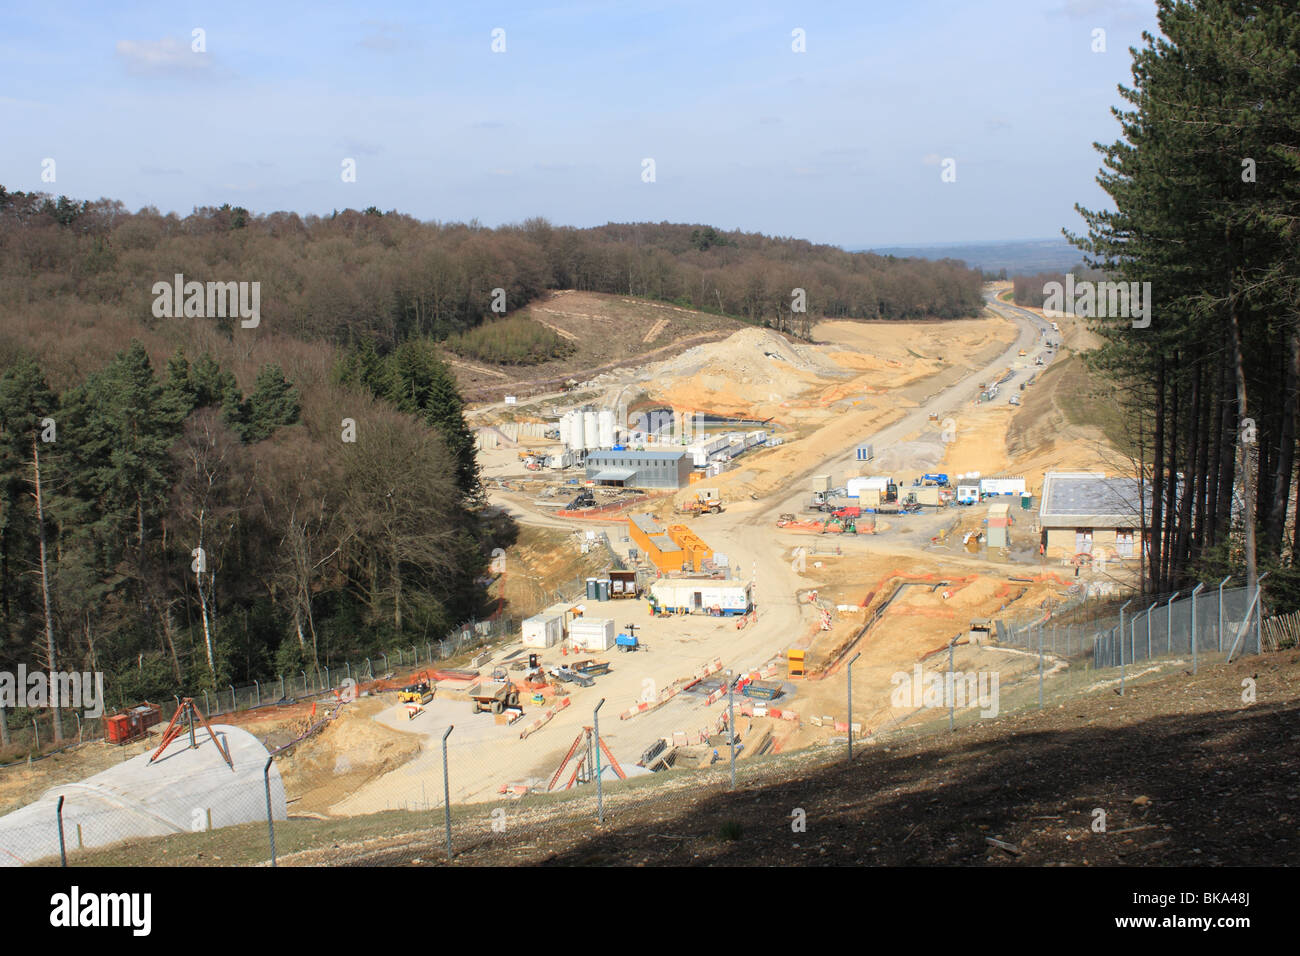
column 452, row 776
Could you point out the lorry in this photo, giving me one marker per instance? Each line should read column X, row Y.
column 494, row 695
column 707, row 502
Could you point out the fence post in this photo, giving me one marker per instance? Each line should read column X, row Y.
column 258, row 687
column 446, row 788
column 348, row 666
column 1040, row 667
column 415, row 655
column 1132, row 626
column 304, row 683
column 1195, row 591
column 731, row 726
column 1149, row 610
column 281, row 687
column 206, row 708
column 328, row 684
column 270, row 819
column 234, row 702
column 370, row 671
column 63, row 853
column 850, row 668
column 1121, row 625
column 1169, row 623
column 600, row 797
column 385, row 663
column 1221, row 584
column 1259, row 612
column 951, row 697
column 37, row 730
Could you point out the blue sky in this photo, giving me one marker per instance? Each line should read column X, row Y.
column 841, row 143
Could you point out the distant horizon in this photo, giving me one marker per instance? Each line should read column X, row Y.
column 931, row 122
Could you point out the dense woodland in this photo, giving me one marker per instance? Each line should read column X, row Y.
column 181, row 505
column 1206, row 188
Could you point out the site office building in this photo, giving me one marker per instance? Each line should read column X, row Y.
column 1089, row 513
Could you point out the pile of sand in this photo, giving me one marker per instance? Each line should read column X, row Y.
column 351, row 751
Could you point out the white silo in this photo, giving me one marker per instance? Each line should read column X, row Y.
column 564, row 431
column 577, row 438
column 590, row 431
column 606, row 421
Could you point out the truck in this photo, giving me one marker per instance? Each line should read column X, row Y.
column 494, row 695
column 705, row 503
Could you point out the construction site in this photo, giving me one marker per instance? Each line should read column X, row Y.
column 748, row 513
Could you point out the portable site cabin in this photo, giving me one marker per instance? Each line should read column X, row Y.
column 854, row 486
column 677, row 595
column 543, row 630
column 592, row 633
column 821, row 483
column 694, row 550
column 968, row 494
column 1002, row 486
column 999, row 521
column 869, row 498
column 651, row 539
column 927, row 495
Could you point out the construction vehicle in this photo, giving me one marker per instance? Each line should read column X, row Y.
column 586, row 499
column 840, row 525
column 706, row 503
column 421, row 692
column 494, row 695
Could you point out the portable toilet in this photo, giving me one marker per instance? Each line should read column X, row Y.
column 592, row 589
column 602, row 589
column 1026, row 500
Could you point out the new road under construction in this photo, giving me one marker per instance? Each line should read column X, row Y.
column 759, row 559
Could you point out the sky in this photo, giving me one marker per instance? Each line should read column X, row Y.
column 262, row 105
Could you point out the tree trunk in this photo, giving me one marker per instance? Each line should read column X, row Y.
column 1275, row 520
column 50, row 652
column 1158, row 483
column 1247, row 477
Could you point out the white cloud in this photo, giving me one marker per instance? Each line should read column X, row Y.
column 168, row 55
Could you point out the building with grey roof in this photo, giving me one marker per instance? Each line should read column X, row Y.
column 640, row 469
column 1090, row 513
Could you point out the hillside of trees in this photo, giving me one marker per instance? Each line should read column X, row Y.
column 181, row 503
column 1206, row 188
column 385, row 277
